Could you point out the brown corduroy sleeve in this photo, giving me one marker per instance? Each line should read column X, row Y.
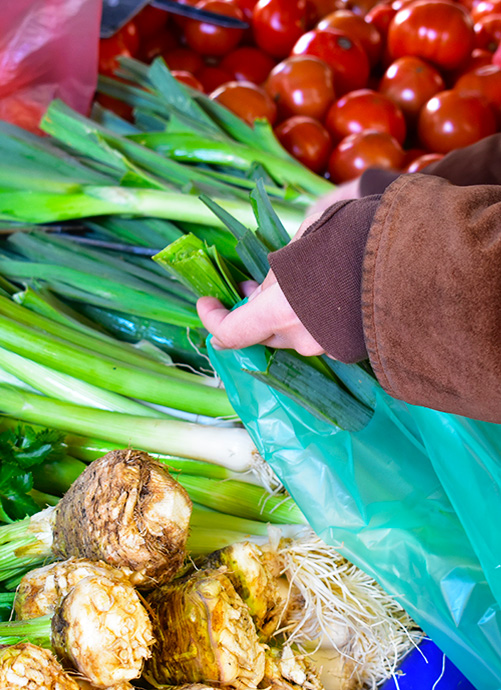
column 431, row 295
column 320, row 274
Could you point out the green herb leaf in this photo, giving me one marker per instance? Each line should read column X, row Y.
column 22, row 449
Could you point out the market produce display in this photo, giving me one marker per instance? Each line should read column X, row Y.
column 204, row 150
column 328, row 74
column 247, row 615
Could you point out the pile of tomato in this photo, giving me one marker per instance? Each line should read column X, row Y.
column 346, row 84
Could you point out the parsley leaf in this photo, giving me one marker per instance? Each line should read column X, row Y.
column 22, row 449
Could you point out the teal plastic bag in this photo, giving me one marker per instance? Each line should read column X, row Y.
column 414, row 500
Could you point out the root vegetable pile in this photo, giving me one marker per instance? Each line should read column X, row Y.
column 234, row 618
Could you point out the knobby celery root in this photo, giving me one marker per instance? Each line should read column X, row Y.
column 286, row 670
column 261, row 587
column 42, row 589
column 26, row 666
column 127, row 510
column 204, row 634
column 103, row 630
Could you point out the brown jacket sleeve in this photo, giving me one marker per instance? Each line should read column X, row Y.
column 431, row 295
column 429, row 289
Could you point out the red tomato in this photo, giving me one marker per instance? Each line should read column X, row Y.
column 485, row 7
column 344, row 55
column 183, row 59
column 110, row 49
column 22, row 111
column 210, row 39
column 360, row 7
column 277, row 24
column 321, row 8
column 247, row 100
column 157, row 44
column 380, row 16
column 246, row 7
column 357, row 152
column 451, row 120
column 354, row 26
column 187, row 78
column 130, row 36
column 488, row 32
column 248, row 64
column 116, row 106
column 423, row 161
column 496, row 58
column 150, row 20
column 307, row 140
column 485, row 82
column 410, row 82
column 478, row 58
column 301, row 85
column 364, row 109
column 212, row 77
column 436, row 30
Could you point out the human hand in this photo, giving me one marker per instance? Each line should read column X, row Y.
column 347, row 190
column 266, row 318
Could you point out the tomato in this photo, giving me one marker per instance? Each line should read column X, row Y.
column 187, row 78
column 344, row 55
column 496, row 58
column 212, row 77
column 360, row 7
column 110, row 49
column 410, row 82
column 129, row 33
column 362, row 110
column 277, row 24
column 451, row 120
column 436, row 30
column 321, row 8
column 301, row 85
column 488, row 32
column 246, row 7
column 485, row 82
column 247, row 100
column 157, row 44
column 210, row 39
column 116, row 106
column 357, row 152
column 150, row 20
column 22, row 111
column 423, row 161
column 307, row 140
column 354, row 26
column 248, row 64
column 478, row 58
column 485, row 7
column 380, row 16
column 183, row 59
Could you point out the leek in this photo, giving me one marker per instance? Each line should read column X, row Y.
column 228, row 446
column 121, row 378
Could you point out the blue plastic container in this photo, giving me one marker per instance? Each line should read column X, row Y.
column 426, row 668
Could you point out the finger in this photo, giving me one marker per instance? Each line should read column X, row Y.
column 248, row 324
column 248, row 287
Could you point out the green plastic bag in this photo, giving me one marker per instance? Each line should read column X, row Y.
column 414, row 500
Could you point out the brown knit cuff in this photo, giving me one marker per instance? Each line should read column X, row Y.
column 321, row 275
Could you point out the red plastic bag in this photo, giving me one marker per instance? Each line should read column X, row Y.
column 48, row 49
